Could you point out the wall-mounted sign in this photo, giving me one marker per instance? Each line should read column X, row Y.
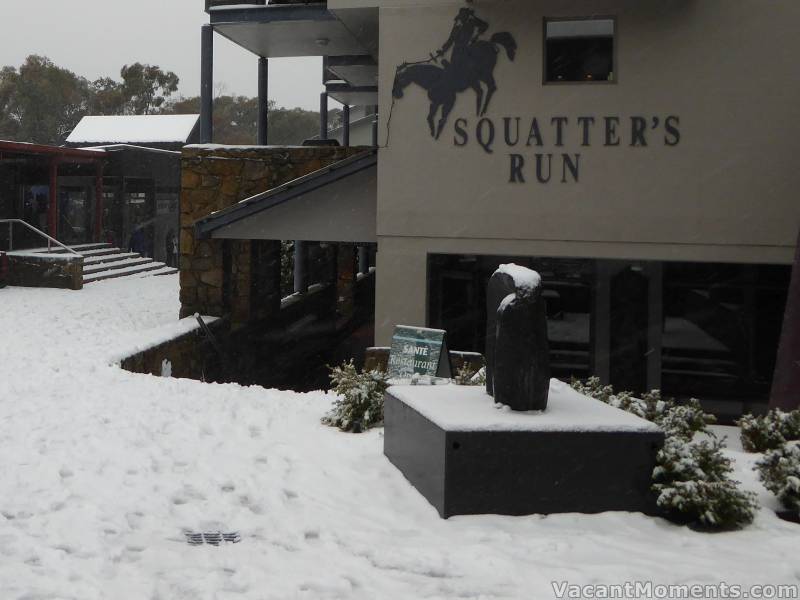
column 537, row 146
column 420, row 351
column 470, row 67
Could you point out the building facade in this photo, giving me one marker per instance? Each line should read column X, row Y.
column 639, row 155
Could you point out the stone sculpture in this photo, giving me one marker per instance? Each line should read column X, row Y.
column 517, row 353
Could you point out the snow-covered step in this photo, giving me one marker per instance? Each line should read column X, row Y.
column 109, row 258
column 99, row 251
column 79, row 248
column 117, row 264
column 123, row 272
column 163, row 271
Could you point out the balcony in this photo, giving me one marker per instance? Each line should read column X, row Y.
column 346, row 39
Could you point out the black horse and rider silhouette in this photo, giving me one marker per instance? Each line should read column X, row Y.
column 471, row 66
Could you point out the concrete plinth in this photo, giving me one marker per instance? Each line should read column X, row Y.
column 467, row 456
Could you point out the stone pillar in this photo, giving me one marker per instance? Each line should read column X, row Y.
column 207, row 84
column 345, row 281
column 263, row 101
column 785, row 392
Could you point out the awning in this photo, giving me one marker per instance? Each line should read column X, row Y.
column 286, row 30
column 337, row 203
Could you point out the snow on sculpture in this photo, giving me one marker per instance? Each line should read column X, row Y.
column 517, row 353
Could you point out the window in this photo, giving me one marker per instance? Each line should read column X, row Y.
column 702, row 330
column 579, row 50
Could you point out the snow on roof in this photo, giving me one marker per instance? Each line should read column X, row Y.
column 139, row 129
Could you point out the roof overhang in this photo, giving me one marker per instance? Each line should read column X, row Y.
column 351, row 95
column 58, row 152
column 360, row 71
column 337, row 203
column 287, row 30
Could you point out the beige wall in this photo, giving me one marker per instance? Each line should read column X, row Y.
column 726, row 68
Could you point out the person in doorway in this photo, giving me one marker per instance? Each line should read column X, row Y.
column 172, row 249
column 137, row 241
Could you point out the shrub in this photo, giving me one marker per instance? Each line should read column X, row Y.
column 770, row 431
column 359, row 403
column 692, row 479
column 790, row 424
column 779, row 471
column 467, row 375
column 693, row 484
column 685, row 420
column 681, row 420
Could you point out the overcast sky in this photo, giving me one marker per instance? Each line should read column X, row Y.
column 94, row 38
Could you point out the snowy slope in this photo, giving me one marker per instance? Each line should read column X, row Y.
column 102, row 470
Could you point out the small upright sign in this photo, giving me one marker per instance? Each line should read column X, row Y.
column 418, row 350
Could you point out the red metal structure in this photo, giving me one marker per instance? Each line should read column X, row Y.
column 54, row 158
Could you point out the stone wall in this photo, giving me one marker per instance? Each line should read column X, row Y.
column 217, row 276
column 190, row 356
column 47, row 271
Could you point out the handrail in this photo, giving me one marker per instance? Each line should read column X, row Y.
column 50, row 240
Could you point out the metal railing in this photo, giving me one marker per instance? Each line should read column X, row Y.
column 50, row 240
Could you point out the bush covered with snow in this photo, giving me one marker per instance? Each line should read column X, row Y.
column 779, row 471
column 693, row 483
column 467, row 375
column 359, row 403
column 680, row 420
column 769, row 431
column 692, row 479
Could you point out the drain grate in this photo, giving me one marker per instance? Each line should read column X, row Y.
column 213, row 538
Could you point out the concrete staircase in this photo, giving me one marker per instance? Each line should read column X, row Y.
column 104, row 261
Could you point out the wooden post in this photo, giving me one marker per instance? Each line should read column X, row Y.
column 98, row 202
column 263, row 101
column 323, row 116
column 363, row 259
column 785, row 392
column 300, row 267
column 346, row 125
column 345, row 281
column 207, row 84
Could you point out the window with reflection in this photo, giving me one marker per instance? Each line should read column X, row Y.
column 579, row 50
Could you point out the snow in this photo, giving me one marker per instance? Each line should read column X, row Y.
column 470, row 408
column 103, row 470
column 54, row 256
column 235, row 147
column 526, row 280
column 133, row 129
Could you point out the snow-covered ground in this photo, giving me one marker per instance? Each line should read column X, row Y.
column 102, row 470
